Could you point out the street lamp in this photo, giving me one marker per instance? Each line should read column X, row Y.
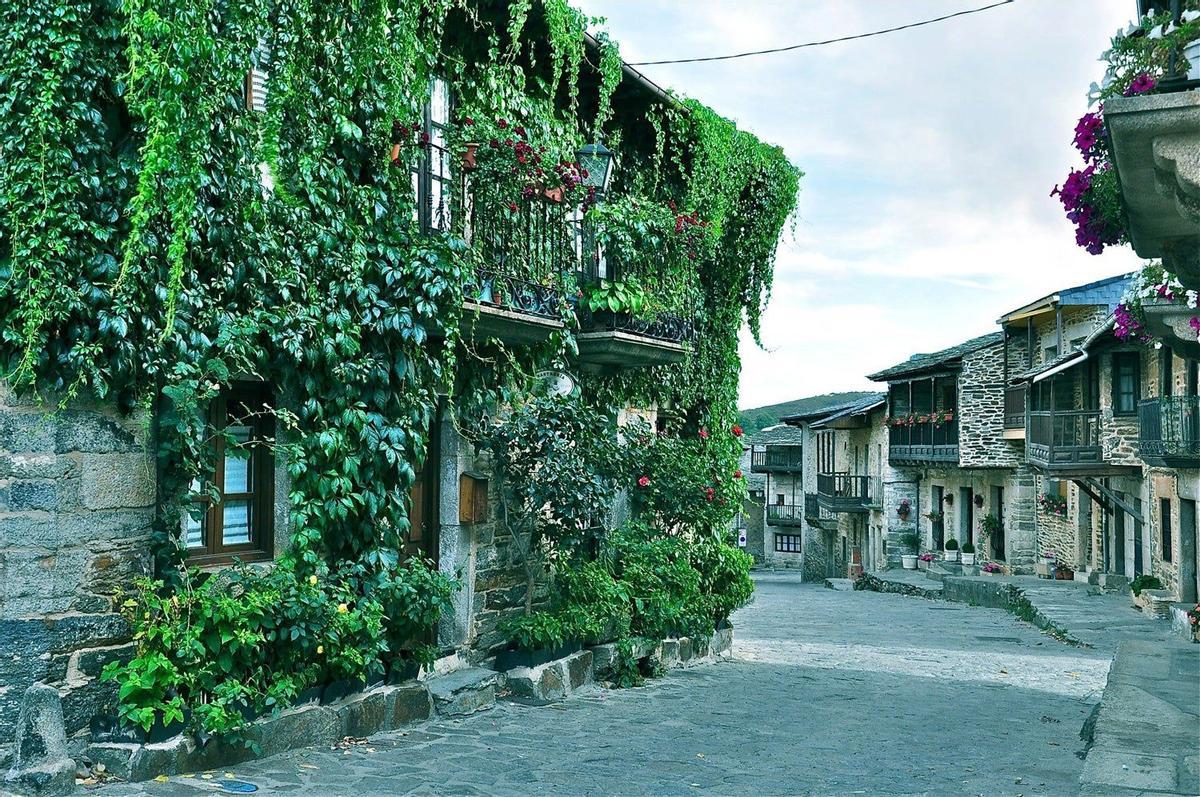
column 597, row 163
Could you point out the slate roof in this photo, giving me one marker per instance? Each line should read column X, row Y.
column 863, row 406
column 779, row 434
column 820, row 413
column 939, row 359
column 1106, row 292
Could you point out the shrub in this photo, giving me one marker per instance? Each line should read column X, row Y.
column 664, row 588
column 911, row 540
column 951, row 544
column 724, row 575
column 968, row 547
column 1144, row 582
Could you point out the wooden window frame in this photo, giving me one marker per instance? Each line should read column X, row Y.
column 1165, row 528
column 789, row 543
column 253, row 396
column 1119, row 360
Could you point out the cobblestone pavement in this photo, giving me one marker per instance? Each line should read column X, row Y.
column 829, row 693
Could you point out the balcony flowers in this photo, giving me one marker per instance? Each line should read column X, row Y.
column 993, row 568
column 737, row 430
column 643, row 481
column 1053, row 504
column 904, row 509
column 1152, row 284
column 926, row 557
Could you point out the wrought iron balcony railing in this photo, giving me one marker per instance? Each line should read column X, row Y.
column 1169, row 431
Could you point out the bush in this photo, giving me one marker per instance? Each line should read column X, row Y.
column 724, row 575
column 911, row 540
column 664, row 588
column 951, row 544
column 968, row 547
column 1144, row 582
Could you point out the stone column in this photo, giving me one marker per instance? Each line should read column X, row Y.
column 41, row 765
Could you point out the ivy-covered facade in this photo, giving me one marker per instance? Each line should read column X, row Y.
column 343, row 338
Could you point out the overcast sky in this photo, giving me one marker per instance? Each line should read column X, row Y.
column 929, row 157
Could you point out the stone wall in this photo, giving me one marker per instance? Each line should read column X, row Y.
column 77, row 493
column 981, row 442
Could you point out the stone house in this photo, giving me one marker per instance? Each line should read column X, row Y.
column 79, row 486
column 776, row 469
column 1107, row 426
column 850, row 481
column 948, row 456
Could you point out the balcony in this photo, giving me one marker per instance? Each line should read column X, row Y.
column 509, row 309
column 844, row 492
column 1065, row 440
column 621, row 339
column 1169, row 431
column 777, row 459
column 1014, row 412
column 785, row 515
column 817, row 515
column 920, row 440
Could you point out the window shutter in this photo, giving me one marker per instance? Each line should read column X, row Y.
column 256, row 79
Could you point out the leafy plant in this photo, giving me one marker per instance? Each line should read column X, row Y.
column 617, row 296
column 911, row 540
column 534, row 630
column 968, row 547
column 990, row 524
column 951, row 544
column 1144, row 582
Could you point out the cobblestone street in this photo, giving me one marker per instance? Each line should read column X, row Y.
column 829, row 693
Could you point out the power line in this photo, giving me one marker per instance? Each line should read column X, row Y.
column 825, row 41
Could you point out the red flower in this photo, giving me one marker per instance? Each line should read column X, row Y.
column 737, row 474
column 512, row 206
column 520, row 131
column 703, row 433
column 416, row 126
column 709, row 493
column 424, row 138
column 468, row 121
column 644, row 481
column 494, row 143
column 501, row 123
column 737, row 430
column 583, row 173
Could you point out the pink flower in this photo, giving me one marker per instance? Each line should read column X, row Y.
column 703, row 433
column 644, row 481
column 1140, row 85
column 737, row 474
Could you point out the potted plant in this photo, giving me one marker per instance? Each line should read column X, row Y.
column 979, row 500
column 934, row 516
column 903, row 509
column 992, row 569
column 923, row 561
column 948, row 499
column 968, row 553
column 912, row 541
column 468, row 159
column 1139, row 585
column 951, row 551
column 1193, row 615
column 615, row 300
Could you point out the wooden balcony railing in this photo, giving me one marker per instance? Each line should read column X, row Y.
column 818, row 515
column 844, row 492
column 785, row 515
column 1064, row 438
column 922, row 440
column 1014, row 407
column 1169, row 431
column 776, row 459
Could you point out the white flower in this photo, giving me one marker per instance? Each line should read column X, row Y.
column 1155, row 33
column 1193, row 299
column 1158, row 344
column 1189, row 16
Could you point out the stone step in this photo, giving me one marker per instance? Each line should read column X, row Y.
column 842, row 584
column 463, row 692
column 549, row 682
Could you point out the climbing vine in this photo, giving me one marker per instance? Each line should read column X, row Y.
column 160, row 240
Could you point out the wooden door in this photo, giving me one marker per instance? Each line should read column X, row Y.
column 423, row 509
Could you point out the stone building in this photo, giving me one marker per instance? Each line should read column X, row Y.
column 1109, row 428
column 776, row 463
column 948, row 454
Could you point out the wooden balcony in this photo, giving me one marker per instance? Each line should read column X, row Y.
column 1169, row 431
column 923, row 442
column 785, row 515
column 777, row 459
column 817, row 515
column 1014, row 412
column 844, row 492
column 1065, row 441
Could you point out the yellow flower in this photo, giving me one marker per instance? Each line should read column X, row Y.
column 320, row 648
column 312, row 580
column 343, row 608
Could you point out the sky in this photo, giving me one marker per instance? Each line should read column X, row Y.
column 929, row 155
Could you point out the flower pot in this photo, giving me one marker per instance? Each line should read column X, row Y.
column 909, row 561
column 1191, row 51
column 968, row 558
column 950, row 556
column 395, row 154
column 922, row 564
column 468, row 160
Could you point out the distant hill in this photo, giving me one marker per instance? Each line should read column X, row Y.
column 759, row 418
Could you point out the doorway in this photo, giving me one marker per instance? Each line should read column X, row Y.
column 998, row 542
column 938, row 527
column 1189, row 553
column 1117, row 564
column 966, row 514
column 1139, row 548
column 423, row 520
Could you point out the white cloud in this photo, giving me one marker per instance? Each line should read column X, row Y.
column 929, row 157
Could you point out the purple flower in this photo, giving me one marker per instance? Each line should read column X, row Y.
column 1140, row 85
column 1088, row 136
column 1125, row 323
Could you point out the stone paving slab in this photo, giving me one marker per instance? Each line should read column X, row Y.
column 828, row 694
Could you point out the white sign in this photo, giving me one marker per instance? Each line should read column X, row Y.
column 741, row 538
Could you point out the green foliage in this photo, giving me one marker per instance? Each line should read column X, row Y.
column 681, row 482
column 534, row 630
column 593, row 604
column 911, row 540
column 990, row 524
column 618, row 296
column 968, row 547
column 951, row 544
column 1138, row 53
column 664, row 588
column 1144, row 582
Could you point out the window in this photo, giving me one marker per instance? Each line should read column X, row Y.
column 825, row 452
column 239, row 521
column 1125, row 376
column 431, row 172
column 1164, row 527
column 787, row 543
